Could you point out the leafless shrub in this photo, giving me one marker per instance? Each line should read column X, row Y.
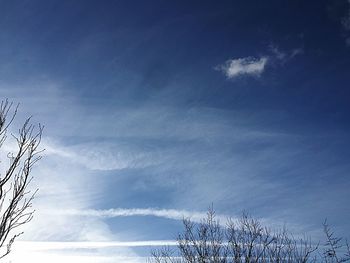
column 242, row 241
column 334, row 250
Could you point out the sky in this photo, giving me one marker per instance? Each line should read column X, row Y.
column 156, row 110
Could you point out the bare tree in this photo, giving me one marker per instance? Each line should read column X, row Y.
column 15, row 197
column 334, row 251
column 241, row 241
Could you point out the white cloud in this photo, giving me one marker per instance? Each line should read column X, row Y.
column 90, row 245
column 123, row 212
column 253, row 66
column 243, row 66
column 98, row 156
column 69, row 252
column 97, row 252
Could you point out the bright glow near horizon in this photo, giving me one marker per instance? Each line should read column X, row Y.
column 72, row 252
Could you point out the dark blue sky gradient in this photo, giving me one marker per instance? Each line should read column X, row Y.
column 146, row 47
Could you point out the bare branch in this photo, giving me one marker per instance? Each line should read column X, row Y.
column 242, row 241
column 17, row 209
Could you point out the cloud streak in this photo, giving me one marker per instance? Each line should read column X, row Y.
column 124, row 212
column 94, row 252
column 32, row 245
column 252, row 66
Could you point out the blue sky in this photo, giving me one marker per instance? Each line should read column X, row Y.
column 157, row 109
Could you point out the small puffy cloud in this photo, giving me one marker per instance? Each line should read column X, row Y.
column 243, row 66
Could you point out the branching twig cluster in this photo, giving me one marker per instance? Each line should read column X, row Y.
column 15, row 198
column 246, row 241
column 334, row 251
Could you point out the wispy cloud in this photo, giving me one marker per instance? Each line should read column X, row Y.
column 94, row 252
column 88, row 245
column 284, row 55
column 143, row 151
column 345, row 21
column 124, row 212
column 252, row 66
column 101, row 157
